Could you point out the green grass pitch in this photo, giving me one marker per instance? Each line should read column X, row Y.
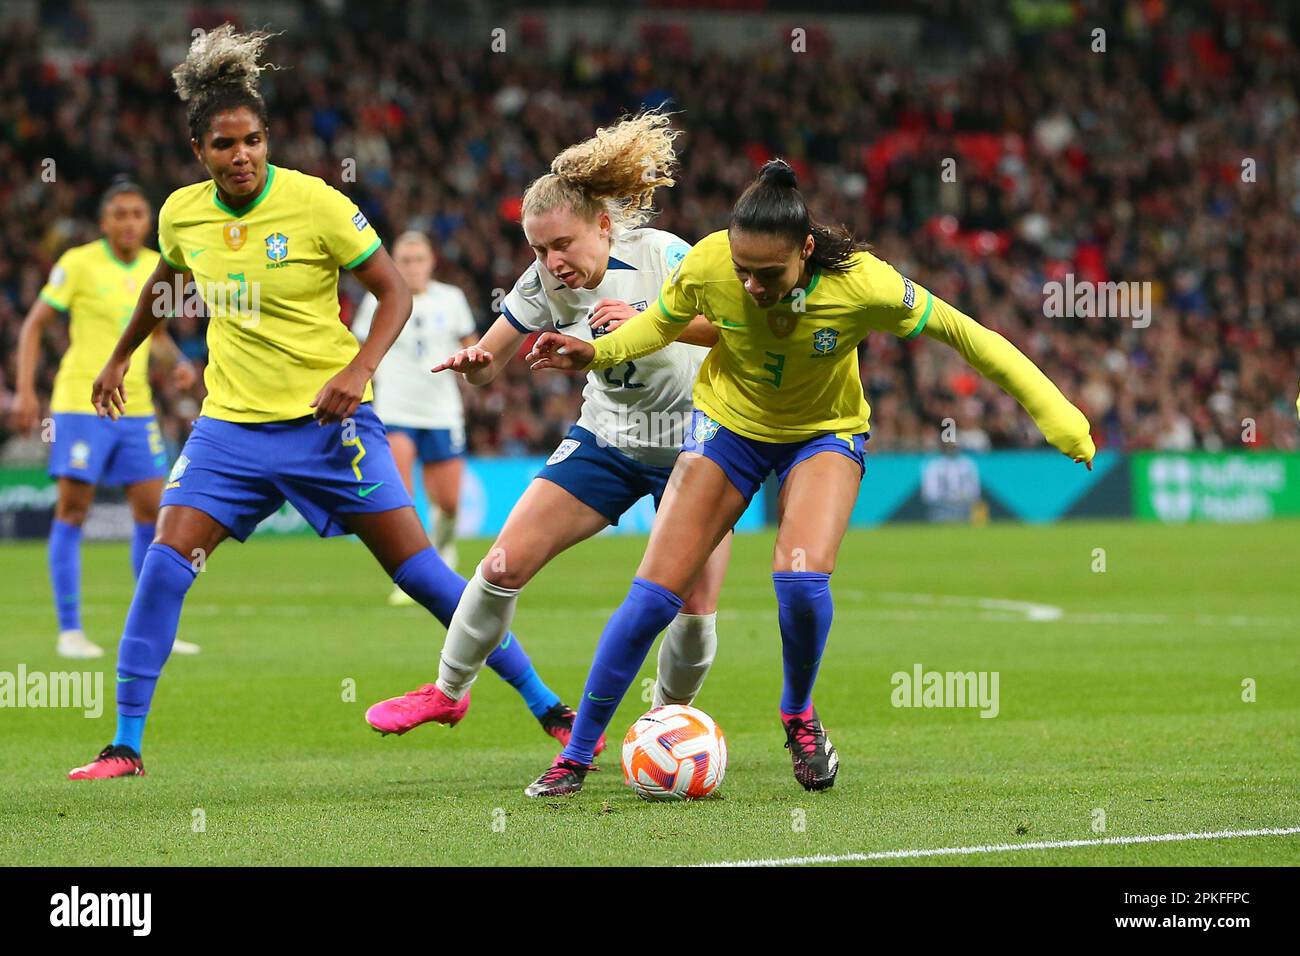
column 1129, row 703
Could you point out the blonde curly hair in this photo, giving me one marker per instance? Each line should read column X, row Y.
column 616, row 171
column 220, row 72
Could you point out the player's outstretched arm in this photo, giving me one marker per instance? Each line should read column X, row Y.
column 646, row 332
column 563, row 352
column 1061, row 423
column 483, row 361
column 158, row 299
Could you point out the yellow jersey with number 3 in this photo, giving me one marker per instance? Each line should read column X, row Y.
column 98, row 291
column 789, row 372
column 268, row 275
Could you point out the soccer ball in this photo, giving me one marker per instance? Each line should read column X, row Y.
column 674, row 753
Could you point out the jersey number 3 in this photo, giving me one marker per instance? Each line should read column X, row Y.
column 777, row 367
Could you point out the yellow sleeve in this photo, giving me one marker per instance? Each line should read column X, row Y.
column 169, row 246
column 657, row 326
column 646, row 332
column 348, row 237
column 58, row 288
column 1063, row 425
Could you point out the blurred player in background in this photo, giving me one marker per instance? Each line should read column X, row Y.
column 96, row 286
column 596, row 268
column 950, row 485
column 265, row 244
column 781, row 392
column 423, row 413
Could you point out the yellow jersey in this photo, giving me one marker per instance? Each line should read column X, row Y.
column 790, row 372
column 99, row 292
column 268, row 276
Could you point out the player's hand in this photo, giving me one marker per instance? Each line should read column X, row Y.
column 108, row 394
column 467, row 360
column 1084, row 451
column 553, row 350
column 184, row 375
column 341, row 396
column 609, row 314
column 24, row 412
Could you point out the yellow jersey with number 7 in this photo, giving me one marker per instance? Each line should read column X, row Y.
column 268, row 276
column 98, row 291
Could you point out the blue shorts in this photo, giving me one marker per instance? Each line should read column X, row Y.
column 747, row 462
column 433, row 445
column 240, row 473
column 601, row 476
column 106, row 452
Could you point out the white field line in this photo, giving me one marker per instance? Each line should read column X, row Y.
column 1006, row 848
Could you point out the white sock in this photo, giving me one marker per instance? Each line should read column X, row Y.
column 685, row 656
column 478, row 626
column 444, row 537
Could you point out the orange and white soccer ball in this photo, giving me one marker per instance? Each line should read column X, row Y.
column 674, row 753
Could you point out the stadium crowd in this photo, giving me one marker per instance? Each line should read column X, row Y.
column 1172, row 160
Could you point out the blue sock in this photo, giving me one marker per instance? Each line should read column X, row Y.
column 513, row 666
column 806, row 609
column 141, row 538
column 426, row 577
column 65, row 573
column 148, row 635
column 624, row 644
column 130, row 732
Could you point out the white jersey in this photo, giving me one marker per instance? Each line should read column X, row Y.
column 642, row 408
column 406, row 394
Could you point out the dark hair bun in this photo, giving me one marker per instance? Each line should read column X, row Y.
column 777, row 172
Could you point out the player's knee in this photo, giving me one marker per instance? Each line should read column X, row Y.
column 144, row 514
column 699, row 604
column 496, row 570
column 821, row 560
column 71, row 512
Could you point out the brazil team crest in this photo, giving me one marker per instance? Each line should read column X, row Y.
column 824, row 340
column 277, row 247
column 705, row 428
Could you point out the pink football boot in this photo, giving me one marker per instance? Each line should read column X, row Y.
column 397, row 715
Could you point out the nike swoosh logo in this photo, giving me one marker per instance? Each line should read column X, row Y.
column 198, row 252
column 125, row 680
column 732, row 325
column 599, row 700
column 506, row 642
column 365, row 491
column 558, row 326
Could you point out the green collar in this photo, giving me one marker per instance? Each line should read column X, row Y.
column 216, row 196
column 812, row 284
column 113, row 255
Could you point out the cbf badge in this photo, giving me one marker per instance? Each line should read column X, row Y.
column 705, row 428
column 178, row 469
column 235, row 234
column 824, row 340
column 277, row 247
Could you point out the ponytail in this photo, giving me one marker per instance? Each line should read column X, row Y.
column 772, row 204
